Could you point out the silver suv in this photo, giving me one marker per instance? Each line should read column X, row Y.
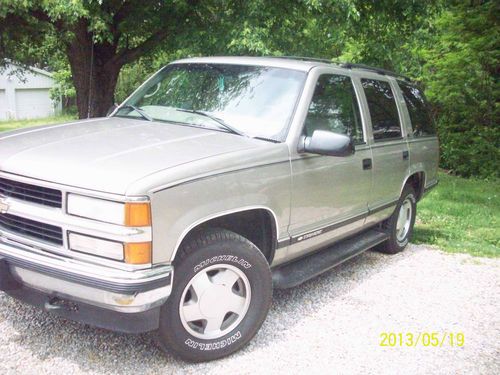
column 217, row 180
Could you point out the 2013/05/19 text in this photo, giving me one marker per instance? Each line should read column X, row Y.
column 426, row 339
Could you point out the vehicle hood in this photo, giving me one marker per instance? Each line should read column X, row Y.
column 109, row 154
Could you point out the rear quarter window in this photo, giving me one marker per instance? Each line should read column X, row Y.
column 421, row 120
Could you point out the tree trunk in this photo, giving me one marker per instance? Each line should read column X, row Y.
column 95, row 73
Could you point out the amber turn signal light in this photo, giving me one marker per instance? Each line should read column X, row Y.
column 137, row 214
column 138, row 253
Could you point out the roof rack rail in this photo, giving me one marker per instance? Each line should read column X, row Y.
column 304, row 58
column 348, row 66
column 376, row 70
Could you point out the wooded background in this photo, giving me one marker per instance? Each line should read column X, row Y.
column 101, row 50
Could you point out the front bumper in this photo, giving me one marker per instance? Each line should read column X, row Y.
column 127, row 301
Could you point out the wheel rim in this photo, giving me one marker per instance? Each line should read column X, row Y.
column 404, row 220
column 215, row 301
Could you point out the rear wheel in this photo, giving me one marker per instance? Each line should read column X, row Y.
column 400, row 224
column 222, row 293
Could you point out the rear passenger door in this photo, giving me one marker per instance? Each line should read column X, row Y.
column 390, row 153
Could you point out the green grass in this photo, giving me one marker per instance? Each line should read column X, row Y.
column 461, row 216
column 11, row 125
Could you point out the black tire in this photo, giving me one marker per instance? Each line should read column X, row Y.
column 213, row 247
column 394, row 245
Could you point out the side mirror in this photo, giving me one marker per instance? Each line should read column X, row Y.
column 323, row 142
column 111, row 109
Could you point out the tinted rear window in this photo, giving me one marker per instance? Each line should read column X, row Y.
column 383, row 109
column 420, row 116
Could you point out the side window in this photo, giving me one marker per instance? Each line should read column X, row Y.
column 334, row 107
column 383, row 109
column 420, row 116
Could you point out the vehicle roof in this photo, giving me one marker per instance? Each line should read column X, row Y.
column 277, row 62
column 296, row 63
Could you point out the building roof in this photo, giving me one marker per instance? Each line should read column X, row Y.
column 29, row 68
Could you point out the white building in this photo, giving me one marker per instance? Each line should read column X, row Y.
column 27, row 96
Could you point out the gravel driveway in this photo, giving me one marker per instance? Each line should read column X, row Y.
column 329, row 325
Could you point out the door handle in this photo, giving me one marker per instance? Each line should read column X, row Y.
column 367, row 163
column 406, row 154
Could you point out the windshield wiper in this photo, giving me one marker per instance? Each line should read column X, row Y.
column 267, row 139
column 143, row 114
column 213, row 118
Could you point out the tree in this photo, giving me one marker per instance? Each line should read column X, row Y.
column 97, row 37
column 461, row 75
column 452, row 49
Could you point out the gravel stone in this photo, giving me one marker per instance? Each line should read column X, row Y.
column 331, row 324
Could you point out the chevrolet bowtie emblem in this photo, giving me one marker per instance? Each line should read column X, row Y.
column 4, row 207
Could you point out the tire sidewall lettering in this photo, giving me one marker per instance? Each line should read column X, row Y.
column 221, row 344
column 222, row 259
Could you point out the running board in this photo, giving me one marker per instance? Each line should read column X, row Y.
column 303, row 269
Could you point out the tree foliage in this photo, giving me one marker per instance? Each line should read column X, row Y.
column 461, row 75
column 454, row 54
column 97, row 37
column 451, row 47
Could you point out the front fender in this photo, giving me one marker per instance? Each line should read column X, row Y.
column 179, row 209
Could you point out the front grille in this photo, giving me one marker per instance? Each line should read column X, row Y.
column 31, row 229
column 30, row 193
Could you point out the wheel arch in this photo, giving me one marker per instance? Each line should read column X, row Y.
column 263, row 231
column 417, row 180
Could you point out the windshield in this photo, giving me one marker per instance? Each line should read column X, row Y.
column 254, row 101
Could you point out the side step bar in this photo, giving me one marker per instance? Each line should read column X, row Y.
column 308, row 267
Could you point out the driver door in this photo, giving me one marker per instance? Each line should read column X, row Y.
column 330, row 194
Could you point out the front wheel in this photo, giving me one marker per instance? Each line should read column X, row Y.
column 222, row 293
column 400, row 224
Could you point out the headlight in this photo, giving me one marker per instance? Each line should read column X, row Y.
column 131, row 253
column 96, row 246
column 133, row 214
